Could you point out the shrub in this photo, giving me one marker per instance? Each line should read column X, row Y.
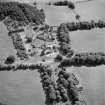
column 71, row 5
column 10, row 59
column 64, row 48
column 58, row 58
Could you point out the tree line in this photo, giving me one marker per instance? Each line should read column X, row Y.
column 64, row 40
column 85, row 25
column 17, row 67
column 67, row 3
column 48, row 84
column 84, row 59
column 21, row 12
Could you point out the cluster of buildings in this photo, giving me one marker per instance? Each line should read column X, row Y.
column 42, row 39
